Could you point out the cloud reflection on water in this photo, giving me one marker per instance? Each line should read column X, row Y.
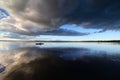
column 25, row 55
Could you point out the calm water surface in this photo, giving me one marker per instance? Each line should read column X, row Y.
column 59, row 61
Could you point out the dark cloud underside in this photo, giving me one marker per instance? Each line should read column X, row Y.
column 58, row 12
column 62, row 32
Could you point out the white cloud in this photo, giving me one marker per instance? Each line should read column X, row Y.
column 11, row 24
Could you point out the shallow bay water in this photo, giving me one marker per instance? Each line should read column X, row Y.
column 60, row 61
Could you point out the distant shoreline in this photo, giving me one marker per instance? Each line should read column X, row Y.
column 59, row 41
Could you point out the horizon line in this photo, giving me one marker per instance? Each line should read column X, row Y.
column 61, row 40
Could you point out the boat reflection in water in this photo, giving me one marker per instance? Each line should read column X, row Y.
column 60, row 61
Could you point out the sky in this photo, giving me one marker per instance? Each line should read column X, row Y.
column 60, row 19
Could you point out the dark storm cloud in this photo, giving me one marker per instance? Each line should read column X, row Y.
column 62, row 32
column 52, row 13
